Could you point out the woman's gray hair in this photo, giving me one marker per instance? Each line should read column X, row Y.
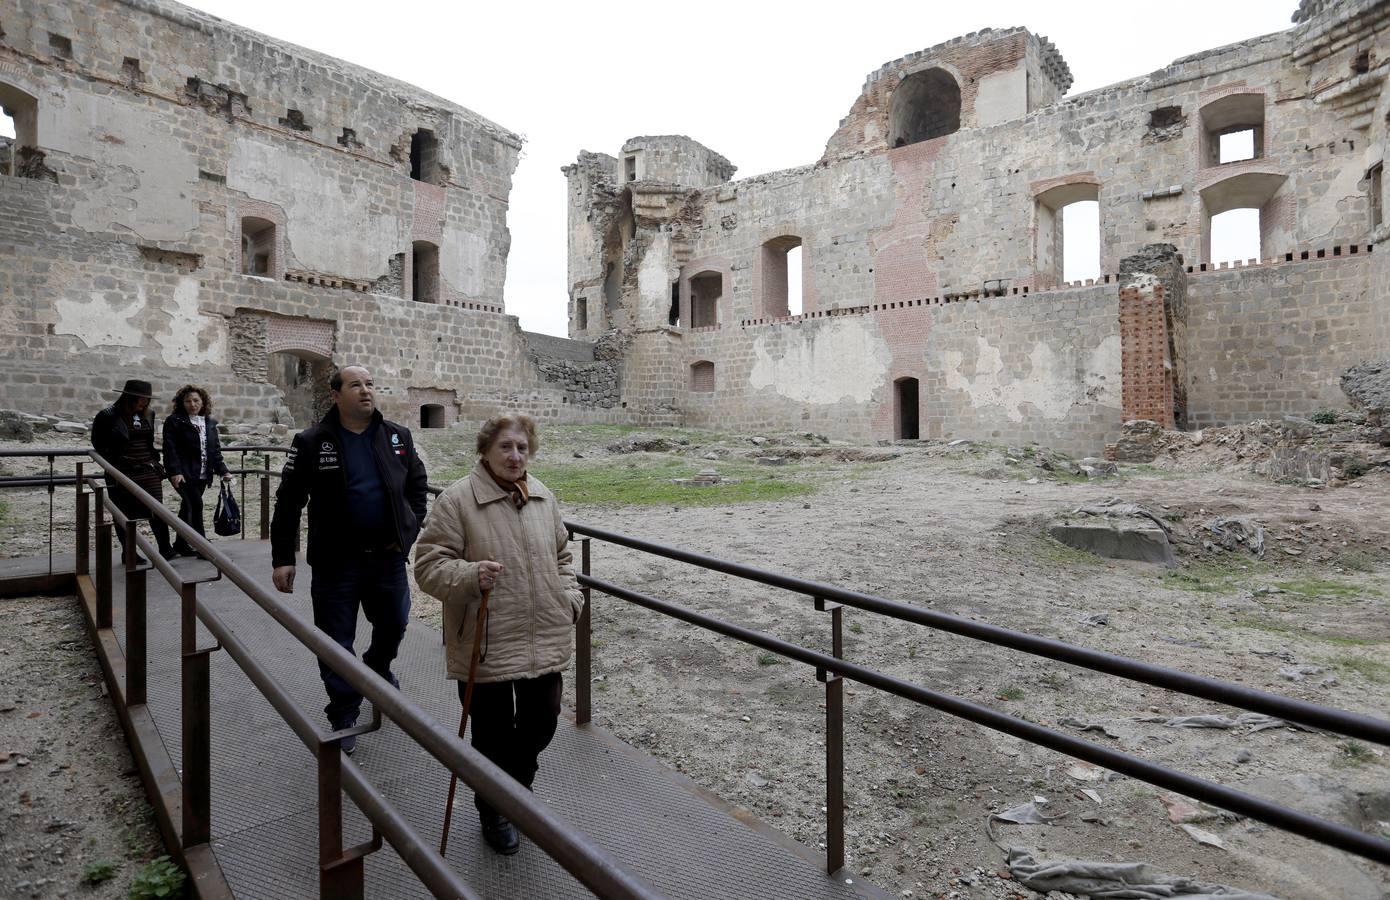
column 497, row 424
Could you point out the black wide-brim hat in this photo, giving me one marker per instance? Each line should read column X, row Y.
column 137, row 388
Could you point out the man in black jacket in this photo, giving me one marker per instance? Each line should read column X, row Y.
column 366, row 488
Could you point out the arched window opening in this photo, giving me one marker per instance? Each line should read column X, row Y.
column 1235, row 236
column 19, row 116
column 781, row 277
column 905, row 405
column 258, row 246
column 702, row 377
column 1068, row 234
column 926, row 105
column 424, row 157
column 1233, row 129
column 705, row 290
column 432, row 415
column 424, row 272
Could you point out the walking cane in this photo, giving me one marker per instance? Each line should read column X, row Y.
column 463, row 717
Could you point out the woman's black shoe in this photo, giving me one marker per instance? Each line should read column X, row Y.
column 500, row 834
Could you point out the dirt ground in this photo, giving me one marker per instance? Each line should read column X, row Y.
column 958, row 529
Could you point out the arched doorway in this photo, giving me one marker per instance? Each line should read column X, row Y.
column 303, row 378
column 905, row 426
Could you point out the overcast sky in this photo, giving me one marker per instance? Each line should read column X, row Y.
column 765, row 84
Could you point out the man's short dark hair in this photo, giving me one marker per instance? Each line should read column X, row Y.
column 335, row 381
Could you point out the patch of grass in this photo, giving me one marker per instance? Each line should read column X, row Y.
column 1052, row 680
column 1010, row 693
column 1324, row 416
column 643, row 480
column 856, row 627
column 1299, row 631
column 1353, row 753
column 767, row 658
column 1050, row 550
column 1224, row 575
column 1356, row 561
column 1370, row 669
column 1318, row 588
column 4, row 511
column 99, row 871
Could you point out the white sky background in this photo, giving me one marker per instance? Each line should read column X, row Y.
column 762, row 85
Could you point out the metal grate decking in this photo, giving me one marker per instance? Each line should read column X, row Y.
column 264, row 819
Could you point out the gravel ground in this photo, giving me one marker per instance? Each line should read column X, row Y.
column 962, row 530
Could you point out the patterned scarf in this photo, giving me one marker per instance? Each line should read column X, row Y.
column 516, row 490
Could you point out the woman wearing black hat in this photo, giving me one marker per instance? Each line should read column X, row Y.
column 123, row 434
column 192, row 455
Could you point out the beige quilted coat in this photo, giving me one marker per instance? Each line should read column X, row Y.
column 536, row 601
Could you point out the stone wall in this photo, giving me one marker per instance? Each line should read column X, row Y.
column 1272, row 340
column 168, row 130
column 961, row 198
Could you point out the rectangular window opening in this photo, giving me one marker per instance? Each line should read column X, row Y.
column 1237, row 146
column 1377, row 181
column 130, row 68
column 60, row 45
column 581, row 314
column 1081, row 240
column 631, row 164
column 1235, row 236
column 795, row 301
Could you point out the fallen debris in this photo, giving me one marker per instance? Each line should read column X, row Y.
column 1254, row 721
column 1235, row 532
column 1137, row 881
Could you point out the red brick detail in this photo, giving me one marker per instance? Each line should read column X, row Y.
column 1146, row 377
column 314, row 336
column 902, row 250
column 905, row 330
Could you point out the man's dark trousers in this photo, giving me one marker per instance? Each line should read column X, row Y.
column 376, row 582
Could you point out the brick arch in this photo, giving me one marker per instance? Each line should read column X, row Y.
column 705, row 266
column 294, row 335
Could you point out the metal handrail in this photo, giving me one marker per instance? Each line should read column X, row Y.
column 1320, row 830
column 1300, row 711
column 590, row 864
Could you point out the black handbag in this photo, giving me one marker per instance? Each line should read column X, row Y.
column 226, row 520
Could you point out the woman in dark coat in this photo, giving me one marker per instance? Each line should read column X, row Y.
column 123, row 433
column 192, row 455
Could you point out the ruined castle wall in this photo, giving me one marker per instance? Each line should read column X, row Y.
column 1041, row 368
column 161, row 130
column 1269, row 341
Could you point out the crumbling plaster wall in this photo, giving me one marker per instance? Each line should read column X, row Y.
column 163, row 129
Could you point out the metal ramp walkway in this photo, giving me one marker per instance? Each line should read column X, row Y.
column 685, row 843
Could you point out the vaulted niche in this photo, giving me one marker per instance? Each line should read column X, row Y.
column 926, row 105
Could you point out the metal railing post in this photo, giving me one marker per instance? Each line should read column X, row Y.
column 243, row 494
column 51, row 488
column 103, row 560
column 83, row 550
column 834, row 744
column 196, row 724
column 583, row 648
column 265, row 503
column 134, row 627
column 341, row 872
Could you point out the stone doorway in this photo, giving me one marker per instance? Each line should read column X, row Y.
column 905, row 410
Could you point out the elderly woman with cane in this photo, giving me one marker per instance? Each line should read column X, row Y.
column 495, row 552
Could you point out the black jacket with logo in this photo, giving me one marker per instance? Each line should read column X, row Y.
column 314, row 473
